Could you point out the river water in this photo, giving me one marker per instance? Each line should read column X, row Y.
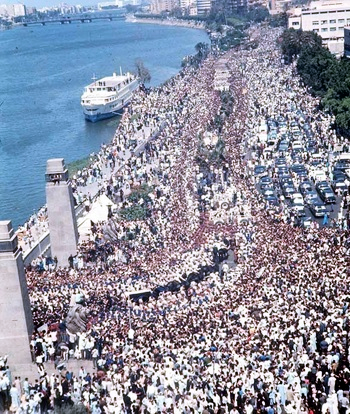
column 43, row 70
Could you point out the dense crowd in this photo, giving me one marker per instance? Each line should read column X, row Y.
column 244, row 313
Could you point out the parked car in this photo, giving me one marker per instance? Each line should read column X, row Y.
column 327, row 195
column 305, row 187
column 339, row 185
column 305, row 222
column 298, row 208
column 318, row 209
column 272, row 200
column 288, row 191
column 259, row 169
column 310, row 198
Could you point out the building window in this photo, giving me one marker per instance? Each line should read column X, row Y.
column 340, row 27
column 324, row 21
column 333, row 29
column 340, row 20
column 315, row 23
column 324, row 29
column 295, row 24
column 316, row 30
column 333, row 21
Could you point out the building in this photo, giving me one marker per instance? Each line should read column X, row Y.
column 12, row 10
column 159, row 6
column 203, row 7
column 110, row 5
column 232, row 6
column 347, row 41
column 189, row 7
column 327, row 19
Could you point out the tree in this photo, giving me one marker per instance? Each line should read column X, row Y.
column 258, row 14
column 295, row 41
column 142, row 72
column 343, row 117
column 202, row 50
column 315, row 67
column 280, row 19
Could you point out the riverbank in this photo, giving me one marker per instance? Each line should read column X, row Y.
column 63, row 131
column 167, row 22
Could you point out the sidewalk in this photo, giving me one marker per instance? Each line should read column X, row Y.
column 33, row 235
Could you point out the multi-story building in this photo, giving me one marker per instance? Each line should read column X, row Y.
column 110, row 4
column 159, row 6
column 347, row 41
column 231, row 6
column 203, row 7
column 12, row 10
column 327, row 19
column 189, row 7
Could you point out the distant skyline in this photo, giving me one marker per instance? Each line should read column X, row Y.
column 39, row 4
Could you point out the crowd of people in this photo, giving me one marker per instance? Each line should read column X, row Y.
column 239, row 311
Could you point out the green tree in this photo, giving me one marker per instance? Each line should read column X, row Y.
column 202, row 50
column 343, row 116
column 258, row 14
column 142, row 72
column 315, row 68
column 295, row 41
column 279, row 20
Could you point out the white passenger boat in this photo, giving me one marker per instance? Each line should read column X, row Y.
column 106, row 97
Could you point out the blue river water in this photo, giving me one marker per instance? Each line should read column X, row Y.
column 43, row 70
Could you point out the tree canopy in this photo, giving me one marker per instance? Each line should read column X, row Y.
column 326, row 76
column 142, row 72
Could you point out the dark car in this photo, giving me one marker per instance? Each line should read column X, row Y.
column 318, row 209
column 327, row 195
column 339, row 175
column 265, row 182
column 305, row 222
column 280, row 161
column 342, row 165
column 268, row 190
column 305, row 187
column 272, row 200
column 339, row 185
column 310, row 198
column 283, row 146
column 265, row 179
column 288, row 190
column 286, row 180
column 281, row 170
column 298, row 208
column 296, row 157
column 321, row 185
column 259, row 169
column 299, row 169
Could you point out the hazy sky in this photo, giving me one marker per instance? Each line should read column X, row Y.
column 49, row 3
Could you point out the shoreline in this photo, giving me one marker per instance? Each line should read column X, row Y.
column 80, row 164
column 190, row 24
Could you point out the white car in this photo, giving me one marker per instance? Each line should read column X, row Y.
column 297, row 198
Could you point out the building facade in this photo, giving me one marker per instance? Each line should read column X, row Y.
column 159, row 6
column 12, row 10
column 327, row 19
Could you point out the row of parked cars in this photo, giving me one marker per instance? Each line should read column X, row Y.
column 303, row 186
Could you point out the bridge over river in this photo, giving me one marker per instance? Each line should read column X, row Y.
column 73, row 19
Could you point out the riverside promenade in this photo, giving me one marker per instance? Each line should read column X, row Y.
column 167, row 22
column 34, row 241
